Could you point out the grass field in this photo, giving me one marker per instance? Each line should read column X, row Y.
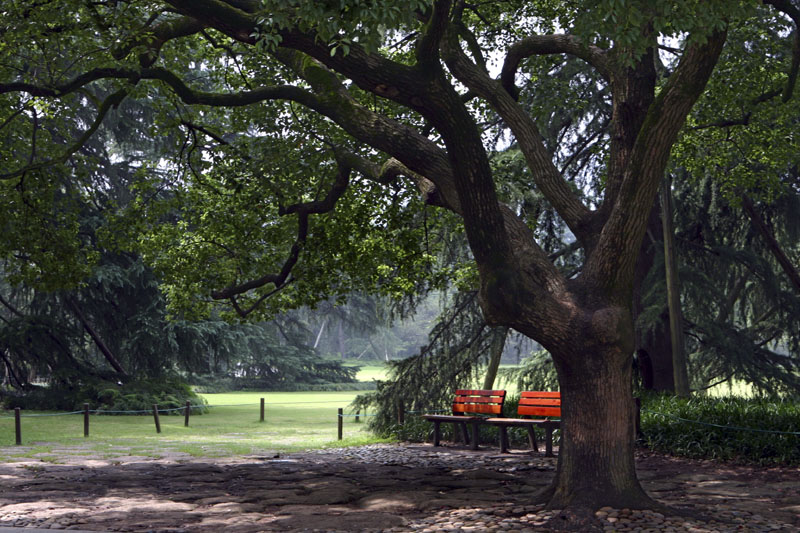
column 294, row 421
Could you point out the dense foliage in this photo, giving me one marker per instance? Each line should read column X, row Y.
column 749, row 430
column 121, row 398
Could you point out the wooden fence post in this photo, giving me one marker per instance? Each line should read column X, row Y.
column 17, row 426
column 186, row 414
column 85, row 419
column 262, row 410
column 155, row 417
column 357, row 415
column 401, row 412
column 341, row 417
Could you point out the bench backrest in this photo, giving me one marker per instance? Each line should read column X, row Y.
column 488, row 402
column 540, row 403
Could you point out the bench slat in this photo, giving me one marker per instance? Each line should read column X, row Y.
column 478, row 399
column 540, row 394
column 533, row 401
column 478, row 408
column 540, row 411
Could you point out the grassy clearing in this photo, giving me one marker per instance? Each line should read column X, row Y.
column 370, row 371
column 294, row 421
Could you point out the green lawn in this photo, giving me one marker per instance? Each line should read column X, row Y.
column 369, row 371
column 294, row 421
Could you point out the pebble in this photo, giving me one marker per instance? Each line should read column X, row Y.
column 511, row 518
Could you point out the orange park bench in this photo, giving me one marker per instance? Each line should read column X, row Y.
column 468, row 405
column 542, row 404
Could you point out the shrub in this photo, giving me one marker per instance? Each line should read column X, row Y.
column 168, row 393
column 768, row 440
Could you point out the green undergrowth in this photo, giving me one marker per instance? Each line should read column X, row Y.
column 760, row 431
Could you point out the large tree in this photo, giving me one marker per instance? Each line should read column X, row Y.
column 397, row 92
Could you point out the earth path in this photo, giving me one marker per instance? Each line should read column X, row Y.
column 371, row 488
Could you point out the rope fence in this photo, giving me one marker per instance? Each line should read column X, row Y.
column 156, row 411
column 735, row 428
column 341, row 415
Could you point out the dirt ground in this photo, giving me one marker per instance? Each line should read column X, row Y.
column 372, row 488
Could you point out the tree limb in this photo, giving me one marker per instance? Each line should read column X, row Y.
column 626, row 224
column 773, row 245
column 111, row 101
column 551, row 44
column 104, row 349
column 427, row 49
column 545, row 174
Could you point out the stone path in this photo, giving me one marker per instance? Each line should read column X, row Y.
column 371, row 488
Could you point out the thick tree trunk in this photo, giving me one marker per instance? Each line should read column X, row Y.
column 595, row 459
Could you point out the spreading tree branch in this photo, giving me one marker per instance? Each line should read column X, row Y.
column 547, row 45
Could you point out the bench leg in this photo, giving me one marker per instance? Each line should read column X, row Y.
column 548, row 443
column 465, row 433
column 532, row 439
column 436, row 432
column 503, row 439
column 475, row 436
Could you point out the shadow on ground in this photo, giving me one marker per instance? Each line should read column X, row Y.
column 373, row 488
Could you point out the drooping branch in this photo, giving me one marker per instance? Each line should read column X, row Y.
column 551, row 44
column 110, row 102
column 303, row 211
column 101, row 345
column 780, row 256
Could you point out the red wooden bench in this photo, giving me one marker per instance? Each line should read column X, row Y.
column 468, row 405
column 532, row 403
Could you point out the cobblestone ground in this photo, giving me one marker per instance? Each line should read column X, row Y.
column 393, row 488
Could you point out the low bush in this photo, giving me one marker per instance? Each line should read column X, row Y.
column 747, row 430
column 208, row 384
column 167, row 393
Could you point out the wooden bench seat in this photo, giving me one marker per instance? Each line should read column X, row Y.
column 468, row 406
column 532, row 403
